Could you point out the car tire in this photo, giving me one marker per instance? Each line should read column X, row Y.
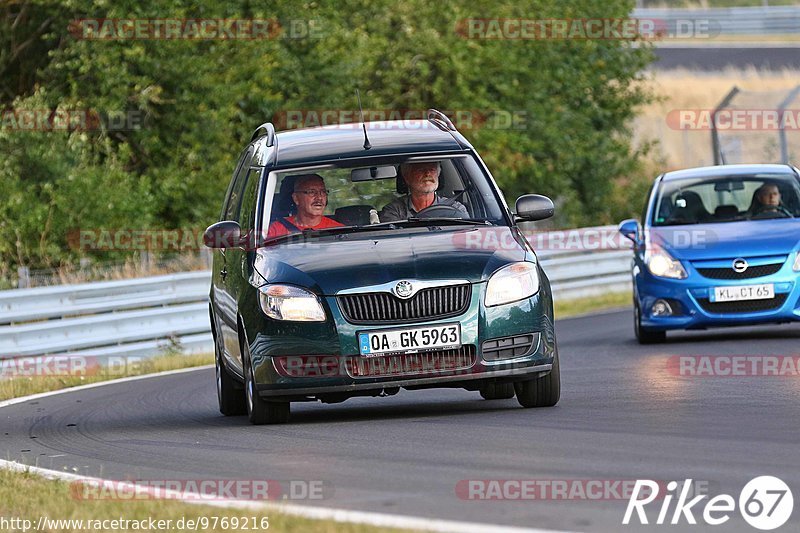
column 230, row 393
column 541, row 392
column 645, row 335
column 260, row 411
column 497, row 391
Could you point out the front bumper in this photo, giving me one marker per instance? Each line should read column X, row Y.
column 692, row 294
column 336, row 343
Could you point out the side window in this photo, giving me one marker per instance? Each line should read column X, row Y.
column 247, row 213
column 235, row 193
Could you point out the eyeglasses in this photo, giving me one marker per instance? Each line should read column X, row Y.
column 314, row 192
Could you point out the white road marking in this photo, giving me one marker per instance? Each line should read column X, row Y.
column 303, row 511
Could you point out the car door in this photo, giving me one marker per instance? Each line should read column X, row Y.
column 240, row 260
column 224, row 302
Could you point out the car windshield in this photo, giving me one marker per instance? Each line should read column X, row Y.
column 726, row 199
column 451, row 191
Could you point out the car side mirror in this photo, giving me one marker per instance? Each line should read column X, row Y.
column 630, row 229
column 534, row 207
column 225, row 234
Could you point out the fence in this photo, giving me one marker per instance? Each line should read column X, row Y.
column 731, row 21
column 141, row 317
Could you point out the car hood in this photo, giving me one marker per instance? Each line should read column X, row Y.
column 334, row 263
column 728, row 240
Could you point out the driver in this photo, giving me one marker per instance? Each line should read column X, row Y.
column 422, row 180
column 768, row 201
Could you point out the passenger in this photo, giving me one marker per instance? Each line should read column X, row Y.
column 311, row 198
column 422, row 180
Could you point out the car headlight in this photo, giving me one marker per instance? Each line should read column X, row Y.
column 663, row 265
column 796, row 266
column 287, row 302
column 511, row 283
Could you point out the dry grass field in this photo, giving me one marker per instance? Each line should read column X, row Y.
column 685, row 89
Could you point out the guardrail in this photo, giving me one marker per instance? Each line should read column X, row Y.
column 768, row 20
column 141, row 317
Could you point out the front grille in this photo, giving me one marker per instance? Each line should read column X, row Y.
column 384, row 307
column 436, row 362
column 509, row 347
column 745, row 306
column 729, row 273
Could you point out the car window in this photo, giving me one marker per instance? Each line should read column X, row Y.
column 237, row 186
column 726, row 199
column 462, row 185
column 247, row 210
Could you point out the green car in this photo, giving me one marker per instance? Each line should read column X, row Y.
column 358, row 259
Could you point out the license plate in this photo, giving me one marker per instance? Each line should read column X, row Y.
column 410, row 340
column 743, row 292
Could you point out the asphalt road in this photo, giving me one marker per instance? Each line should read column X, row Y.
column 709, row 58
column 622, row 416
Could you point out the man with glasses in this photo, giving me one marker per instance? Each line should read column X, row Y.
column 310, row 197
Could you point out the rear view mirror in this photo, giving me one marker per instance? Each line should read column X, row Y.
column 225, row 234
column 534, row 207
column 373, row 173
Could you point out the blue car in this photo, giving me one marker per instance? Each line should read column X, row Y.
column 718, row 246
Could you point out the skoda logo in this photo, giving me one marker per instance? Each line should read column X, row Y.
column 739, row 265
column 404, row 289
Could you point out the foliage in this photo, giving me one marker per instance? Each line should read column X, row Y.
column 200, row 99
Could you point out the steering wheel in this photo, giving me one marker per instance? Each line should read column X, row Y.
column 779, row 212
column 441, row 211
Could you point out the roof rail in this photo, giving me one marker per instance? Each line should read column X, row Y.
column 437, row 116
column 270, row 129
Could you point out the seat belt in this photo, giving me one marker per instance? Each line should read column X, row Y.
column 289, row 226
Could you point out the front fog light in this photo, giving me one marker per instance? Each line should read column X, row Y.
column 511, row 283
column 661, row 308
column 287, row 302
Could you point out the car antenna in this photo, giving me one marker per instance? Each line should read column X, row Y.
column 367, row 145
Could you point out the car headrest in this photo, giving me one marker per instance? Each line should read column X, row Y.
column 726, row 211
column 353, row 215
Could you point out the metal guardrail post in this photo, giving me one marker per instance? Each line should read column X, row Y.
column 719, row 158
column 23, row 277
column 781, row 129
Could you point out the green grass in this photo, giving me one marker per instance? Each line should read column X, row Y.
column 23, row 386
column 27, row 496
column 612, row 300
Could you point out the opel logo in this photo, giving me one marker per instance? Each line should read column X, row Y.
column 739, row 265
column 404, row 289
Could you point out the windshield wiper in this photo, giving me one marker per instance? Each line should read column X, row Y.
column 443, row 221
column 336, row 230
column 409, row 222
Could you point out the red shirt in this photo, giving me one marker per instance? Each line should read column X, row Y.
column 276, row 229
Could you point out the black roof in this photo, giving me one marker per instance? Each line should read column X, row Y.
column 728, row 171
column 329, row 144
